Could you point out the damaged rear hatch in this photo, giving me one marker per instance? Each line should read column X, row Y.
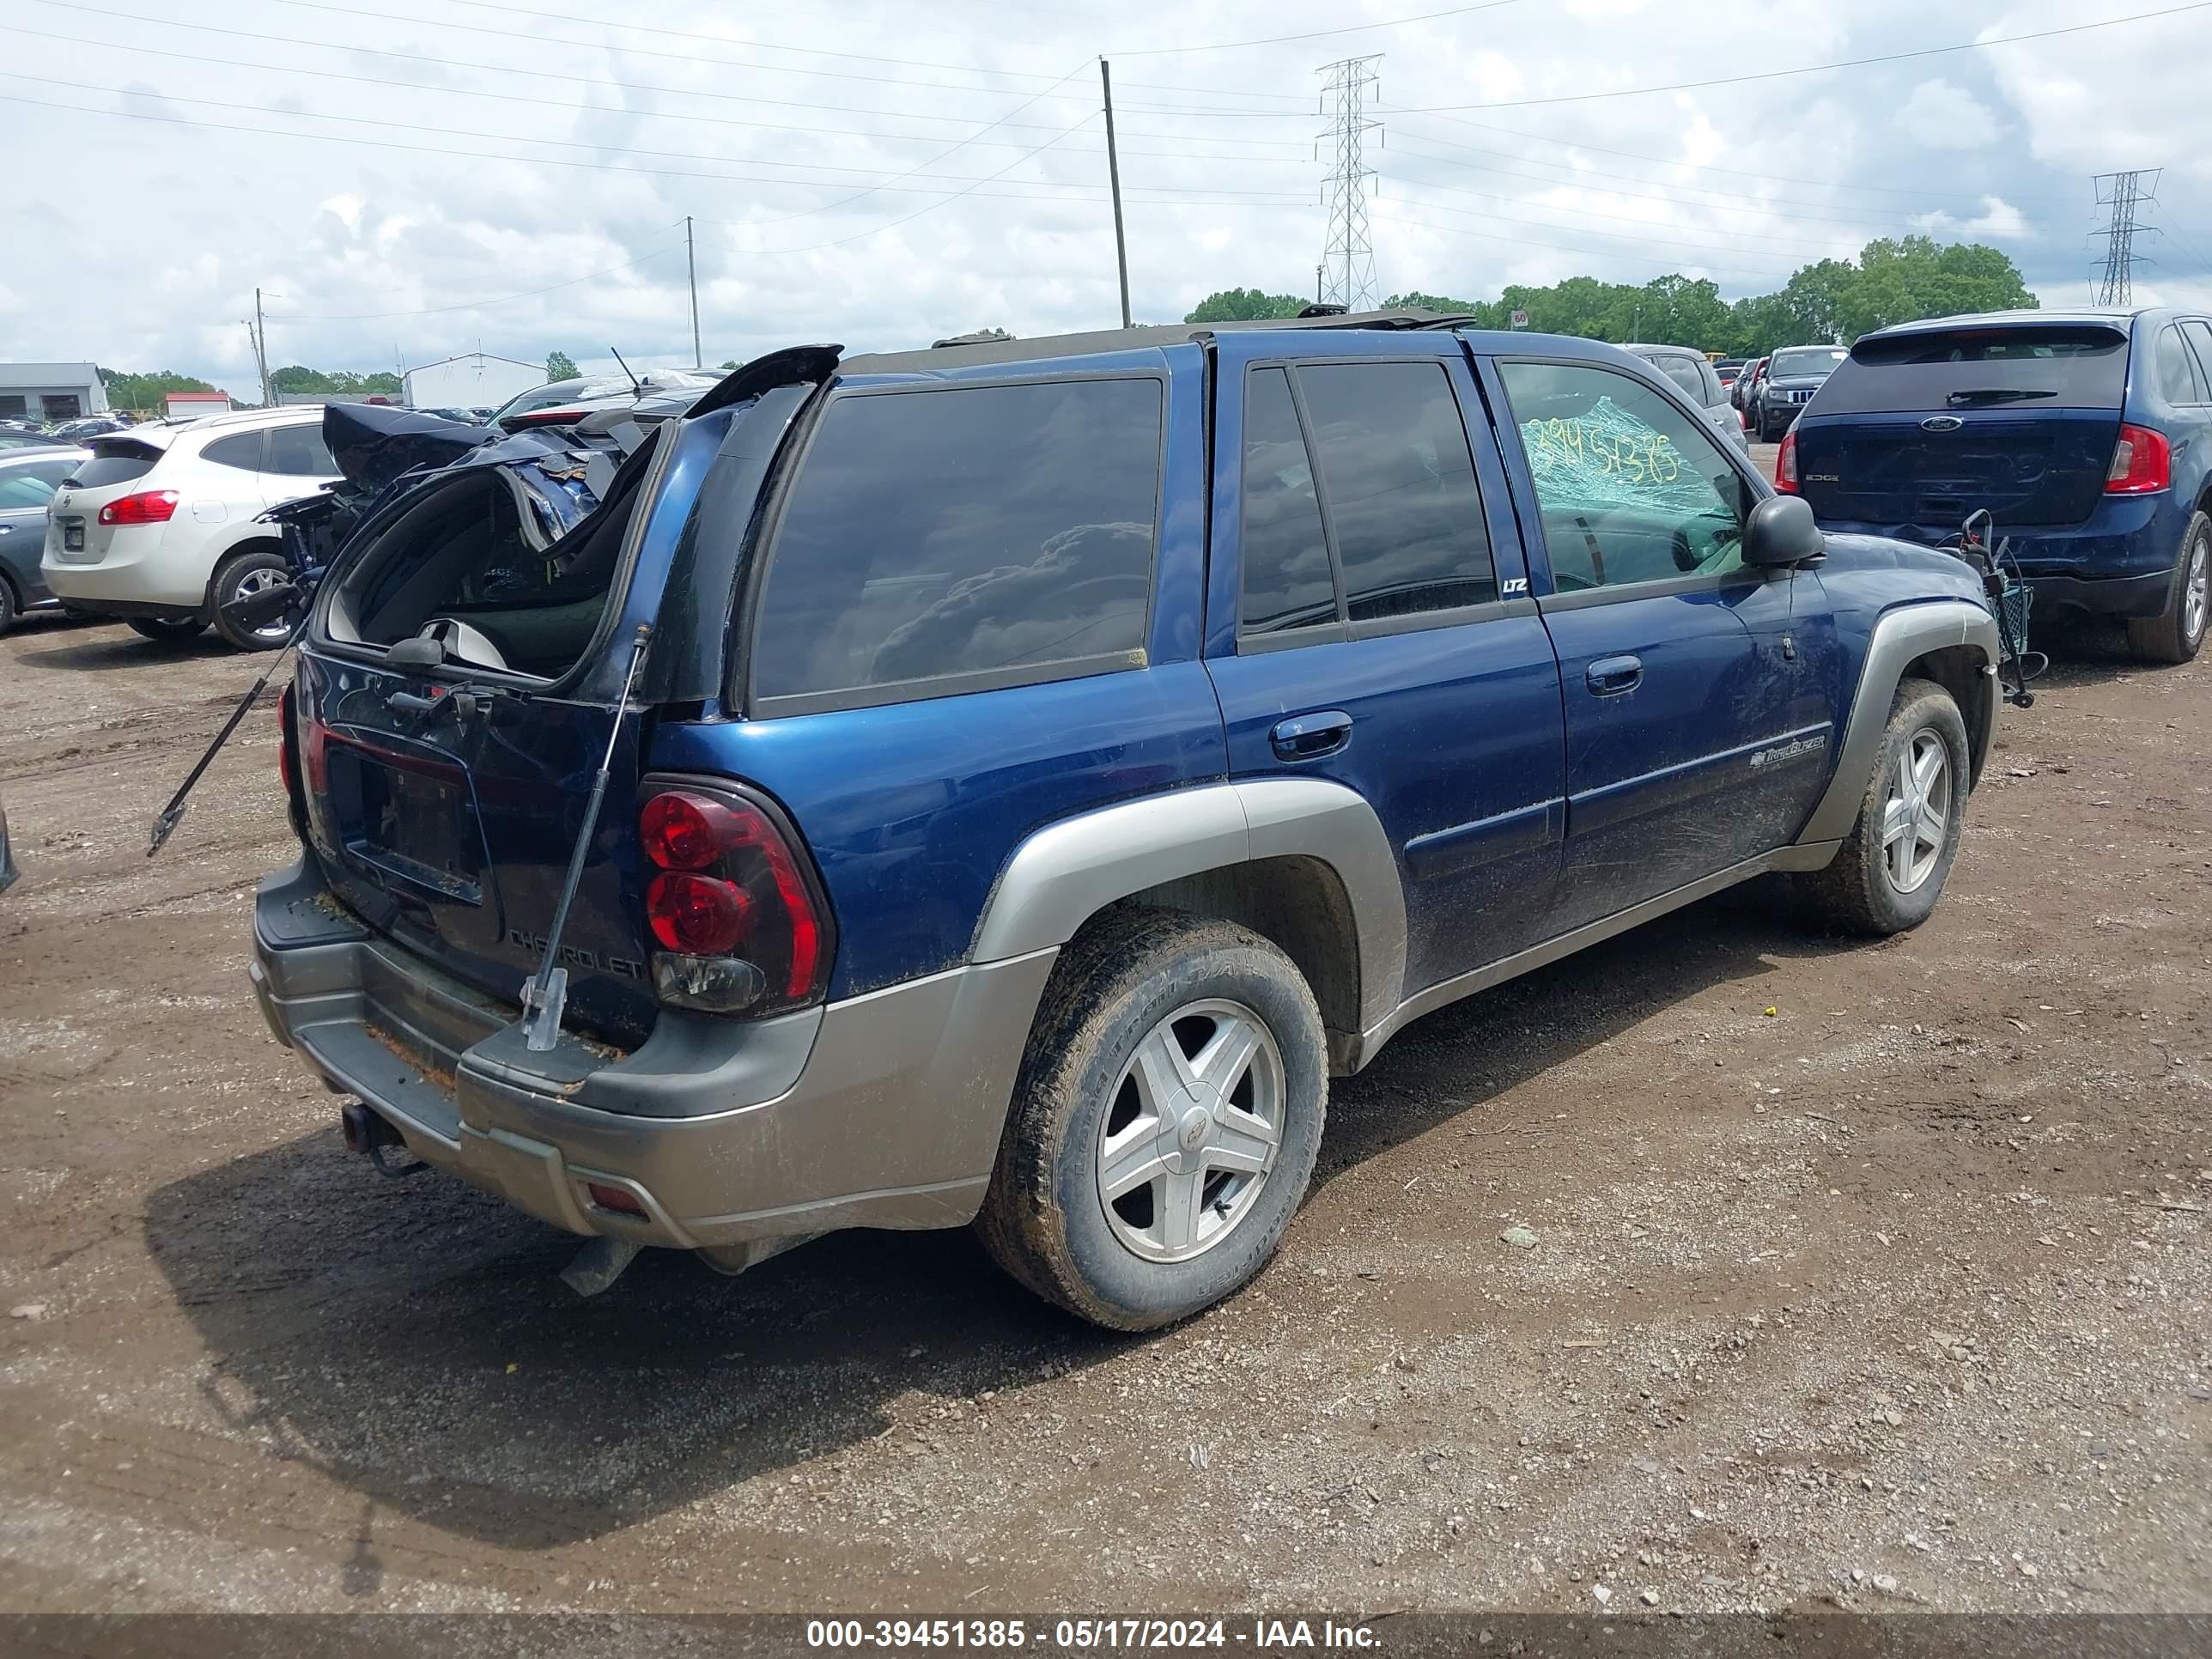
column 454, row 699
column 462, row 678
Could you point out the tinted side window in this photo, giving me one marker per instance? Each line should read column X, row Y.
column 1286, row 578
column 1632, row 489
column 1401, row 485
column 2200, row 336
column 2177, row 374
column 240, row 449
column 962, row 531
column 299, row 452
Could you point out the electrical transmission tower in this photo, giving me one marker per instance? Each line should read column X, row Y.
column 2125, row 193
column 1348, row 256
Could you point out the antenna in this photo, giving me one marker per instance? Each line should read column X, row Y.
column 2124, row 192
column 635, row 385
column 1348, row 258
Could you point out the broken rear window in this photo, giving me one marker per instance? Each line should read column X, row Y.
column 511, row 566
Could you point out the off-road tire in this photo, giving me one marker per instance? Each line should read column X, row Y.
column 2173, row 636
column 1855, row 893
column 1043, row 1219
column 234, row 570
column 165, row 630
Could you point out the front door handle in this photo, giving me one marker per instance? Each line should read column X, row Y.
column 1309, row 737
column 1608, row 677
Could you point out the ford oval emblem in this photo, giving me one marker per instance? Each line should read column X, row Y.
column 1941, row 423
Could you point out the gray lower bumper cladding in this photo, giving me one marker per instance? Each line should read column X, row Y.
column 883, row 1110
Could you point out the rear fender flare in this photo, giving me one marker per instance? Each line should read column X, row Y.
column 1063, row 874
column 1901, row 637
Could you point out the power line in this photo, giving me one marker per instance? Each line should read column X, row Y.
column 2124, row 192
column 1317, row 34
column 1604, row 187
column 1063, row 186
column 619, row 149
column 1696, row 253
column 863, row 235
column 1557, row 247
column 658, row 115
column 1750, row 244
column 1348, row 256
column 477, row 305
column 1701, row 167
column 507, row 35
column 860, row 195
column 818, row 51
column 1816, row 69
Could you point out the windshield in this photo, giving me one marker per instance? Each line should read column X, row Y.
column 1805, row 360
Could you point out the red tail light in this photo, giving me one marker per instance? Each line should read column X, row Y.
column 730, row 900
column 148, row 507
column 2142, row 463
column 699, row 916
column 1785, row 464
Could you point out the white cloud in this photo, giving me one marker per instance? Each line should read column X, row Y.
column 505, row 166
column 1944, row 116
column 1998, row 218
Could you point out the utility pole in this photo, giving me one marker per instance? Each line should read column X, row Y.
column 261, row 349
column 1349, row 255
column 1114, row 177
column 698, row 358
column 2124, row 192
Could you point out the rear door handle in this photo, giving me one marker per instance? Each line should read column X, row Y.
column 1608, row 677
column 1309, row 737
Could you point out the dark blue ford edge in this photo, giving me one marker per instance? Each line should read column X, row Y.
column 2087, row 434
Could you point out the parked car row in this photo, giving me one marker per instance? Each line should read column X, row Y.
column 161, row 524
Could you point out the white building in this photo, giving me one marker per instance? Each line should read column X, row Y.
column 51, row 392
column 475, row 381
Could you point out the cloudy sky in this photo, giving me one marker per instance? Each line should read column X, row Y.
column 407, row 178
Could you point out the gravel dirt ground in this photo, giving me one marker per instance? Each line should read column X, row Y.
column 1862, row 1275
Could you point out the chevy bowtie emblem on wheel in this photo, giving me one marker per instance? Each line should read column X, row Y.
column 1941, row 423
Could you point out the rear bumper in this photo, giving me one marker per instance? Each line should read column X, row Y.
column 2118, row 563
column 884, row 1110
column 146, row 570
column 2105, row 596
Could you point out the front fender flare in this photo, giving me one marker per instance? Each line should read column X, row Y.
column 1901, row 637
column 1065, row 873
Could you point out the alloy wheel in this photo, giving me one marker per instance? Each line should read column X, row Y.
column 2196, row 590
column 256, row 581
column 1916, row 812
column 1192, row 1131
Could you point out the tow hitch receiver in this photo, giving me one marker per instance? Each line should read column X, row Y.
column 370, row 1136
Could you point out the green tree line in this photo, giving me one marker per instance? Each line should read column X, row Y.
column 297, row 377
column 1893, row 281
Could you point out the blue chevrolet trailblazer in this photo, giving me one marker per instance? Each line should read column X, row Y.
column 1003, row 783
column 2086, row 434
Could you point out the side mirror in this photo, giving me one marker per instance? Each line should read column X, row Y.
column 1781, row 532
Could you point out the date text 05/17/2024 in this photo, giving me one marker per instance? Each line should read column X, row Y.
column 1261, row 1635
